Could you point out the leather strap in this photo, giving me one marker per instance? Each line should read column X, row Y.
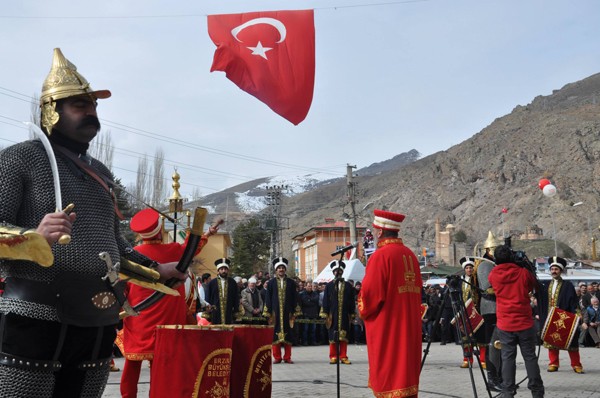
column 26, row 363
column 92, row 173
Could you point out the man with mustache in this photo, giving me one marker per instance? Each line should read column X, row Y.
column 57, row 324
column 560, row 294
column 223, row 295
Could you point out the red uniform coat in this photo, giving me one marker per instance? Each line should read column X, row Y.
column 390, row 305
column 139, row 331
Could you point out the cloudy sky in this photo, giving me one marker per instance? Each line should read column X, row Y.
column 391, row 76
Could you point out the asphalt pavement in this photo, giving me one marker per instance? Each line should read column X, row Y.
column 312, row 376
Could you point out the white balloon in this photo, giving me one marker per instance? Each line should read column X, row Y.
column 549, row 190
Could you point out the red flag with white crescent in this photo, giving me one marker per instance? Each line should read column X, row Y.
column 270, row 55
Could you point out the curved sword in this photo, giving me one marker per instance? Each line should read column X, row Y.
column 64, row 239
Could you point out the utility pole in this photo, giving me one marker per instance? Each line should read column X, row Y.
column 273, row 222
column 351, row 202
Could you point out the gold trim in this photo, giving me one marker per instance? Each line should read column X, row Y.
column 209, row 357
column 402, row 392
column 253, row 368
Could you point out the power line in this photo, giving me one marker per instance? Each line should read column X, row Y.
column 187, row 144
column 203, row 15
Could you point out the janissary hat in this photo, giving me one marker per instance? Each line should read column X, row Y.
column 467, row 261
column 337, row 264
column 558, row 262
column 222, row 262
column 146, row 223
column 280, row 261
column 63, row 81
column 387, row 220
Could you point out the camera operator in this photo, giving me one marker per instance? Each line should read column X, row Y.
column 512, row 284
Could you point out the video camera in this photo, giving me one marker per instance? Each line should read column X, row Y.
column 520, row 258
column 454, row 282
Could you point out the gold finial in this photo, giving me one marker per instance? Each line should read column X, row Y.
column 176, row 185
column 175, row 201
column 188, row 214
column 63, row 81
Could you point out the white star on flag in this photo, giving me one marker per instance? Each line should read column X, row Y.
column 260, row 50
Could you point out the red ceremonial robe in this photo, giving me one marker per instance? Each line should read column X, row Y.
column 138, row 331
column 390, row 305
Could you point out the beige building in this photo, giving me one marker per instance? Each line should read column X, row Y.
column 312, row 249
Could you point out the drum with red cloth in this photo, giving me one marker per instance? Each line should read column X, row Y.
column 475, row 319
column 560, row 327
column 251, row 362
column 192, row 361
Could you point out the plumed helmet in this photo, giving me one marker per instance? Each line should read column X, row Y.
column 63, row 81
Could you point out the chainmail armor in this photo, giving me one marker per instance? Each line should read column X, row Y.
column 25, row 308
column 95, row 382
column 28, row 194
column 26, row 383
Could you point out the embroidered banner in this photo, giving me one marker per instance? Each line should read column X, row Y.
column 192, row 361
column 560, row 327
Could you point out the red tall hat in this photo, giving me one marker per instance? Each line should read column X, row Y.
column 387, row 220
column 146, row 223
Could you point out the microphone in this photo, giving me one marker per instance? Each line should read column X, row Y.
column 344, row 249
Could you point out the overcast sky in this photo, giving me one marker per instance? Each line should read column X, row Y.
column 392, row 77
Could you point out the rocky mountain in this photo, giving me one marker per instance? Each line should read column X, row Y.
column 251, row 197
column 555, row 137
column 468, row 185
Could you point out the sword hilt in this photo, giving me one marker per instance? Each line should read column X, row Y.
column 66, row 239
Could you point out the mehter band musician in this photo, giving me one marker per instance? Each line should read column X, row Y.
column 281, row 307
column 338, row 309
column 390, row 304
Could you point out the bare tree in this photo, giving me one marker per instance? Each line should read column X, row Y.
column 141, row 190
column 158, row 180
column 36, row 113
column 196, row 193
column 102, row 148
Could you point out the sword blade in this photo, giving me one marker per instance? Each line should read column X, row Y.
column 53, row 166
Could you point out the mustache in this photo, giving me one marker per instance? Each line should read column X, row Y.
column 90, row 120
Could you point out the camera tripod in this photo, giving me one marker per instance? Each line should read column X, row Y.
column 469, row 345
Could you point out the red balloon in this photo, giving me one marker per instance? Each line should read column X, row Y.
column 543, row 182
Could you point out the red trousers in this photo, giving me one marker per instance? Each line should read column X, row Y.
column 277, row 352
column 573, row 355
column 482, row 350
column 343, row 350
column 130, row 378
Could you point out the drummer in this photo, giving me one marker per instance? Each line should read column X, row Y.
column 561, row 294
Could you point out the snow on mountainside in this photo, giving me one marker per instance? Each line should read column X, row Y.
column 254, row 199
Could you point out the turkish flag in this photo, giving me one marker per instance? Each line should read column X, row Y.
column 270, row 55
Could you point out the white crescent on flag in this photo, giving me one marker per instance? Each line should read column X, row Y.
column 259, row 49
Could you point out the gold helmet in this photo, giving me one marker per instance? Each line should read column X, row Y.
column 491, row 242
column 63, row 81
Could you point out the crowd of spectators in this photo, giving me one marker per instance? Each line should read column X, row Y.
column 309, row 327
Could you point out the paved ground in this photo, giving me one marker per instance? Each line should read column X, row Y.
column 312, row 376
